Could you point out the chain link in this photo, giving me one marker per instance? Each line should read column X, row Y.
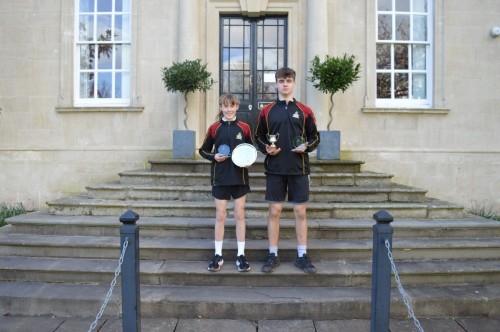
column 113, row 283
column 406, row 299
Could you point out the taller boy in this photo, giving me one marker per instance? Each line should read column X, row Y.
column 287, row 164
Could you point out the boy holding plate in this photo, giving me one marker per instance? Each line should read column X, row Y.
column 227, row 179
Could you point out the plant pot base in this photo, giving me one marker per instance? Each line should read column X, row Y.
column 329, row 146
column 184, row 144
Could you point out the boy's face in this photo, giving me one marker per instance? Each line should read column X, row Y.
column 229, row 111
column 285, row 86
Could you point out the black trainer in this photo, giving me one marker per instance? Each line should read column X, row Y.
column 272, row 262
column 242, row 264
column 216, row 263
column 305, row 264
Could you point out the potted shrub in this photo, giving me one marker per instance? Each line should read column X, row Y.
column 330, row 76
column 185, row 77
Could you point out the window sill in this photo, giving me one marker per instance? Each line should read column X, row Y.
column 88, row 109
column 385, row 110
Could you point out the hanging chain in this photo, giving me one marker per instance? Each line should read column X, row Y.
column 406, row 300
column 113, row 283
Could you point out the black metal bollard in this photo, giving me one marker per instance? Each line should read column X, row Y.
column 381, row 273
column 131, row 284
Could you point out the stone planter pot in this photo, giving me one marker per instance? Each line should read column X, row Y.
column 329, row 146
column 184, row 144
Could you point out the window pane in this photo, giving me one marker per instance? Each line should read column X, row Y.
column 401, row 56
column 246, row 39
column 418, row 57
column 401, row 86
column 270, row 36
column 402, row 5
column 246, row 59
column 420, row 28
column 270, row 59
column 419, row 86
column 122, row 5
column 236, row 58
column 87, row 54
column 87, row 85
column 86, row 6
column 122, row 54
column 383, row 56
column 281, row 36
column 104, row 27
column 226, row 37
column 104, row 85
column 236, row 82
column 104, row 5
column 385, row 27
column 383, row 85
column 281, row 58
column 122, row 27
column 225, row 80
column 225, row 59
column 105, row 57
column 236, row 38
column 420, row 6
column 122, row 82
column 402, row 27
column 384, row 5
column 86, row 28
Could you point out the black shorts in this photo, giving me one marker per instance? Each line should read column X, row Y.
column 226, row 192
column 296, row 186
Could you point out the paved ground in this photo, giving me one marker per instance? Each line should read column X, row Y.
column 60, row 324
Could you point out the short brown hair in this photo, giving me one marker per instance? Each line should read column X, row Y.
column 229, row 99
column 285, row 72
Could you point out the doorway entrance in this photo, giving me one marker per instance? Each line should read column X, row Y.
column 251, row 50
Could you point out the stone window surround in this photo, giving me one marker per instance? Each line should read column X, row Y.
column 438, row 101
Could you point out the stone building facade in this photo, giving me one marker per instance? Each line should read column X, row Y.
column 81, row 94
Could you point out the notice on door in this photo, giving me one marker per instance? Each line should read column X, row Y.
column 269, row 78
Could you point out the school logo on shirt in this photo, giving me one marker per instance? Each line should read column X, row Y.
column 295, row 115
column 239, row 136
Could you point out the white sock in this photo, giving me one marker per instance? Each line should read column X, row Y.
column 218, row 248
column 241, row 248
column 273, row 250
column 301, row 250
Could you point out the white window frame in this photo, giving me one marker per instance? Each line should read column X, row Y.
column 95, row 101
column 410, row 102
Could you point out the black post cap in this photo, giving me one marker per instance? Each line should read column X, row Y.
column 383, row 217
column 129, row 217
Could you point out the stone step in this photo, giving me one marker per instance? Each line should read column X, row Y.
column 43, row 223
column 83, row 205
column 203, row 166
column 249, row 303
column 149, row 178
column 195, row 273
column 13, row 244
column 334, row 194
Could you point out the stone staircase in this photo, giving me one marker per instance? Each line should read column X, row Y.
column 61, row 261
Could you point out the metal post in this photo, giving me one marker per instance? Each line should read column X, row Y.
column 131, row 294
column 381, row 273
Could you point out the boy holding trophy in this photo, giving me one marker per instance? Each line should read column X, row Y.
column 286, row 132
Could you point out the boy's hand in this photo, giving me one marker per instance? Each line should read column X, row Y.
column 301, row 148
column 219, row 157
column 272, row 150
